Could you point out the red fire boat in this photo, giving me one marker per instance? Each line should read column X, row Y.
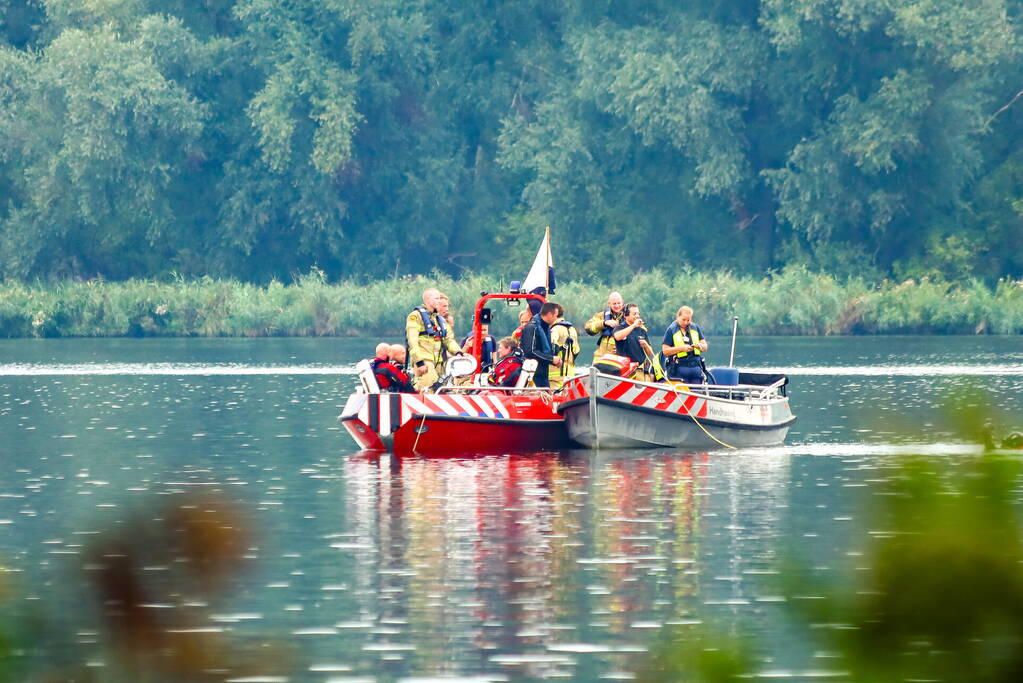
column 465, row 415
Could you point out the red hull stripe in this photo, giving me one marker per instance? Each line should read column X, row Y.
column 702, row 410
column 666, row 400
column 617, row 391
column 643, row 395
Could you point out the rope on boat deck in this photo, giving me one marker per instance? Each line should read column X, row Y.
column 688, row 411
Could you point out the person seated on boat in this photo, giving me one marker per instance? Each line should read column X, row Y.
column 390, row 373
column 429, row 339
column 524, row 317
column 565, row 340
column 398, row 355
column 488, row 356
column 536, row 343
column 683, row 347
column 632, row 342
column 602, row 325
column 382, row 352
column 509, row 364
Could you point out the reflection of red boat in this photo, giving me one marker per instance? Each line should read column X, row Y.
column 467, row 417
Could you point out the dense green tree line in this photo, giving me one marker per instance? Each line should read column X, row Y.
column 255, row 139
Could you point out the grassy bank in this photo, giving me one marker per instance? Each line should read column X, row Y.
column 792, row 302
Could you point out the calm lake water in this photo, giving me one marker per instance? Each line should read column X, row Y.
column 361, row 567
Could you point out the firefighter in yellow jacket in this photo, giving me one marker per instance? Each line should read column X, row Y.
column 430, row 340
column 603, row 324
column 565, row 340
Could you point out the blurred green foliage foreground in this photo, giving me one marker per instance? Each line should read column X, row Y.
column 936, row 596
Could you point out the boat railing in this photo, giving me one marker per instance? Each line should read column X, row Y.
column 735, row 392
column 475, row 389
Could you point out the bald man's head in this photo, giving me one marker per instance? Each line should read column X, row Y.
column 430, row 297
column 397, row 352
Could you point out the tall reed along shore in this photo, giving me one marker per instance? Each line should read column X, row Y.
column 792, row 302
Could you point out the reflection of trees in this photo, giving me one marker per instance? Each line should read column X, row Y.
column 477, row 556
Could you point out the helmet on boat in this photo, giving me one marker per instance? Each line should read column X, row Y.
column 460, row 366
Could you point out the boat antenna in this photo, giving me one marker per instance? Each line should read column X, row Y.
column 735, row 328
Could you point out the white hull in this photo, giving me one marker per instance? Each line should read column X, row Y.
column 603, row 411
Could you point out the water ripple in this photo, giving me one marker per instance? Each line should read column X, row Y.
column 949, row 370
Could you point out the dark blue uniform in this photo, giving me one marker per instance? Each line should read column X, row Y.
column 489, row 350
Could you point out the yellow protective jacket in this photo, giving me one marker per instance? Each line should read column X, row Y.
column 428, row 338
column 595, row 327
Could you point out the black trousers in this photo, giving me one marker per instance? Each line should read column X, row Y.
column 541, row 377
column 690, row 374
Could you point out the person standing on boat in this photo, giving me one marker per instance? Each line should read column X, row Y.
column 565, row 341
column 683, row 346
column 602, row 325
column 524, row 317
column 536, row 343
column 428, row 338
column 444, row 311
column 632, row 341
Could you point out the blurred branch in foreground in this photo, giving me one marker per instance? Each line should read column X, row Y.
column 155, row 579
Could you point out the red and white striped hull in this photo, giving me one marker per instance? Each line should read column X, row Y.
column 604, row 411
column 490, row 422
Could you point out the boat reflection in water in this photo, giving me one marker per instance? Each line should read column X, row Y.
column 561, row 564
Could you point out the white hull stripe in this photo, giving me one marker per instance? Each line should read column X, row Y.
column 385, row 414
column 676, row 405
column 632, row 393
column 654, row 400
column 498, row 406
column 484, row 407
column 415, row 406
column 467, row 406
column 442, row 404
